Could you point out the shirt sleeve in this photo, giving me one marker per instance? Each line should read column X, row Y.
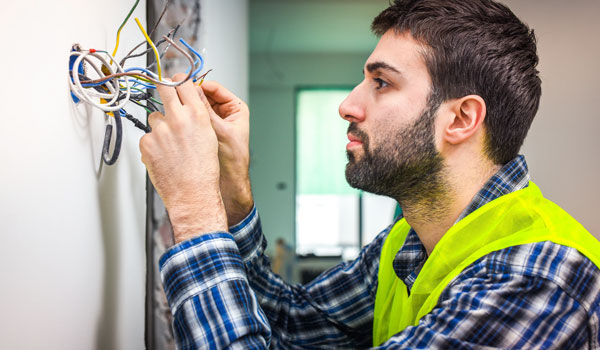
column 335, row 310
column 212, row 304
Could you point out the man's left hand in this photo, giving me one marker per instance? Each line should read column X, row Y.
column 181, row 155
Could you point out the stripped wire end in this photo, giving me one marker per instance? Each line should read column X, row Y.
column 201, row 77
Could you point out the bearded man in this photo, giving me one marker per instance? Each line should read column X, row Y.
column 479, row 259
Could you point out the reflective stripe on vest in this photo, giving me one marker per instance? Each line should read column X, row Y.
column 521, row 217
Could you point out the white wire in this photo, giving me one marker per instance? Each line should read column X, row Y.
column 90, row 92
column 90, row 95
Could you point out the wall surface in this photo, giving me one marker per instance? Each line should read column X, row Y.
column 562, row 146
column 224, row 34
column 72, row 243
column 72, row 257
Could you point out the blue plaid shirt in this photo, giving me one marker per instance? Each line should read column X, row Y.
column 535, row 296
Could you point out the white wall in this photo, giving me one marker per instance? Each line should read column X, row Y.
column 72, row 260
column 72, row 243
column 225, row 35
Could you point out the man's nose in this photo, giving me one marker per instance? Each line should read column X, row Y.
column 352, row 108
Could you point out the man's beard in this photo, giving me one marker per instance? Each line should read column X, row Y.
column 407, row 167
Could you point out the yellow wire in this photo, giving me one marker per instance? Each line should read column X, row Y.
column 117, row 44
column 153, row 48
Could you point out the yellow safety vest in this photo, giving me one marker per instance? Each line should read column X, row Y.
column 520, row 217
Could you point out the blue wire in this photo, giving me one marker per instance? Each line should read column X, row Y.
column 139, row 68
column 195, row 63
column 148, row 86
column 137, row 82
column 95, row 84
column 195, row 53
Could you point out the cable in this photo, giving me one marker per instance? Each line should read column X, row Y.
column 195, row 53
column 153, row 48
column 89, row 95
column 109, row 86
column 164, row 10
column 141, row 105
column 151, row 32
column 107, row 137
column 150, row 77
column 136, row 122
column 172, row 32
column 201, row 77
column 121, row 27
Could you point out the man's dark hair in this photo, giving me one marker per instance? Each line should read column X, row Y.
column 476, row 47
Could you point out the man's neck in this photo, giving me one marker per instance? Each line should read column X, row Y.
column 431, row 219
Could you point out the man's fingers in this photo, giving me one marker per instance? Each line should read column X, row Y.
column 214, row 117
column 205, row 101
column 187, row 94
column 155, row 119
column 169, row 97
column 217, row 93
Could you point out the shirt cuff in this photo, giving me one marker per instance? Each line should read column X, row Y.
column 197, row 264
column 248, row 235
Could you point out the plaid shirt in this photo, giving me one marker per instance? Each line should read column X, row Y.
column 534, row 296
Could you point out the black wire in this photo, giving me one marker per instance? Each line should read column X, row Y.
column 150, row 103
column 108, row 136
column 137, row 123
column 141, row 105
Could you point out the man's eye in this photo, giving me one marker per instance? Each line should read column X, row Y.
column 380, row 83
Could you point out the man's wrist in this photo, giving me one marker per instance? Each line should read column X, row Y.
column 237, row 198
column 190, row 220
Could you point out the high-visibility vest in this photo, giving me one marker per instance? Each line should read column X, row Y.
column 520, row 217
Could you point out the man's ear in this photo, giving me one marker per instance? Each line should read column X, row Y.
column 466, row 118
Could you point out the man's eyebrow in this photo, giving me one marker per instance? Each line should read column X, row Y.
column 373, row 66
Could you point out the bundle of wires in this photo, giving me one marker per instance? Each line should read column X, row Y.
column 114, row 86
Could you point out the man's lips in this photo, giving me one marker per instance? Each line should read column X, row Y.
column 354, row 142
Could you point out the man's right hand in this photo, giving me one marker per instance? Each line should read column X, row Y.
column 230, row 119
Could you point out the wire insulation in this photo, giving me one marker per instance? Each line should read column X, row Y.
column 153, row 48
column 121, row 27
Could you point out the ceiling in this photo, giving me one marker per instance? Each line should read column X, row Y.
column 294, row 26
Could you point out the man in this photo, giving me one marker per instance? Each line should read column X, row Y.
column 479, row 260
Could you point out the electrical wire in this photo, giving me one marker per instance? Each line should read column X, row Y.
column 164, row 10
column 141, row 105
column 121, row 27
column 201, row 77
column 109, row 86
column 195, row 53
column 90, row 95
column 110, row 160
column 153, row 48
column 136, row 122
column 151, row 77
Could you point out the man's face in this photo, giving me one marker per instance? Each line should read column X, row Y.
column 392, row 124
